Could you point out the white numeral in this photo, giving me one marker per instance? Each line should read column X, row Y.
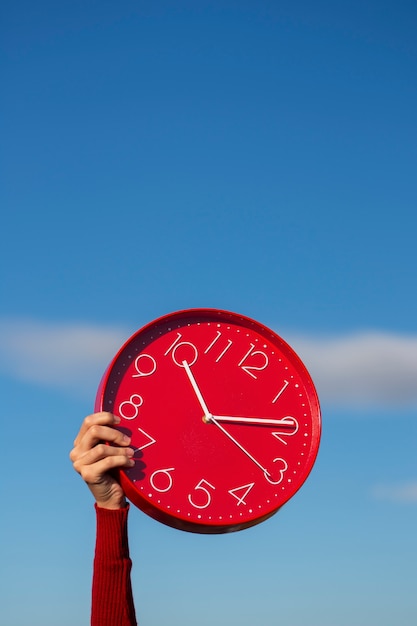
column 281, row 472
column 147, row 369
column 134, row 403
column 249, row 368
column 174, row 347
column 218, row 335
column 245, row 489
column 229, row 343
column 207, row 497
column 292, row 422
column 150, row 440
column 283, row 388
column 166, row 485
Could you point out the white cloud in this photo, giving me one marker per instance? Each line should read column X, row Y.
column 71, row 356
column 406, row 492
column 367, row 370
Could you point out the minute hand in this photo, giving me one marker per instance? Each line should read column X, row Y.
column 215, row 421
column 286, row 421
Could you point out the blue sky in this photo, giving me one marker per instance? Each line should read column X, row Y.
column 258, row 157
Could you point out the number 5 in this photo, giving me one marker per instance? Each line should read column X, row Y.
column 207, row 497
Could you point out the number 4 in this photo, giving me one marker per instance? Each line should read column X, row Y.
column 245, row 489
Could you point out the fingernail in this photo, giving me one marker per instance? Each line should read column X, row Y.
column 116, row 419
column 126, row 439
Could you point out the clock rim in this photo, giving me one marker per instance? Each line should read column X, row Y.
column 204, row 527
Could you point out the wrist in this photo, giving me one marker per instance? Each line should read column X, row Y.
column 113, row 505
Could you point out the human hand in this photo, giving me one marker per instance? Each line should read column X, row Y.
column 95, row 460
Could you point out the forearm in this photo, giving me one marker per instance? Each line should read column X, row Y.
column 112, row 600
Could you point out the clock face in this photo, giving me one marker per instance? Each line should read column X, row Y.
column 223, row 415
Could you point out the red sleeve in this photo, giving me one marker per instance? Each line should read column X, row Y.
column 112, row 600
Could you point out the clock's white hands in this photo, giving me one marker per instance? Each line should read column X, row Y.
column 286, row 421
column 208, row 417
column 207, row 414
column 213, row 419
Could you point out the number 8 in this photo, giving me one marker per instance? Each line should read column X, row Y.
column 135, row 402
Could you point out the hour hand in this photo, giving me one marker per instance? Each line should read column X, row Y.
column 207, row 414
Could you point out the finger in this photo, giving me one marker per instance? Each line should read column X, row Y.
column 97, row 433
column 95, row 436
column 103, row 418
column 99, row 453
column 94, row 473
column 102, row 451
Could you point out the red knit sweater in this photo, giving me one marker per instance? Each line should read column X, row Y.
column 112, row 600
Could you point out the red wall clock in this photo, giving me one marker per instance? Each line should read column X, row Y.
column 224, row 419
